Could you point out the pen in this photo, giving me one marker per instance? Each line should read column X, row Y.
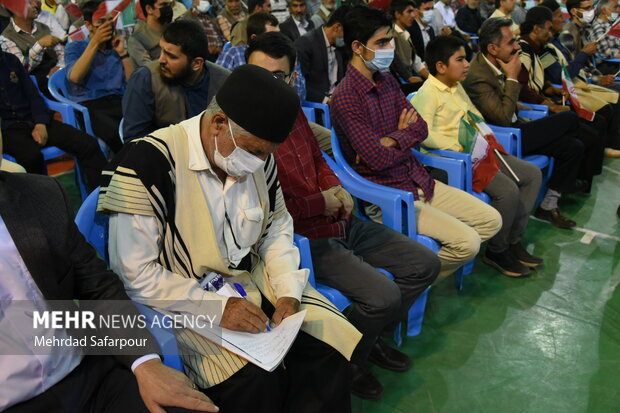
column 241, row 290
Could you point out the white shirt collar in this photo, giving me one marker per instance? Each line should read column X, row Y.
column 325, row 37
column 198, row 160
column 19, row 29
column 493, row 67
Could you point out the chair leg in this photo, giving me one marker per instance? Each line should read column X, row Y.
column 416, row 315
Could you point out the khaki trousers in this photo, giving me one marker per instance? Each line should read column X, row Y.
column 459, row 222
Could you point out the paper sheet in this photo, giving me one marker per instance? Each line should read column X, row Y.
column 266, row 350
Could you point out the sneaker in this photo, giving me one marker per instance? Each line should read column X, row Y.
column 506, row 263
column 525, row 257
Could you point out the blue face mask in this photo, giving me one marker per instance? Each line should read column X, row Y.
column 382, row 61
column 529, row 4
column 339, row 41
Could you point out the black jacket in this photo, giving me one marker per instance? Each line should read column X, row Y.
column 39, row 218
column 312, row 55
column 289, row 28
column 418, row 41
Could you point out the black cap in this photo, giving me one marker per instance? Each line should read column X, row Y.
column 259, row 102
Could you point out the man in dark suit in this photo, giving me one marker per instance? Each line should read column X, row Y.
column 43, row 257
column 321, row 59
column 297, row 24
column 493, row 87
column 421, row 30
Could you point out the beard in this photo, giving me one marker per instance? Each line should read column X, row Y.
column 179, row 79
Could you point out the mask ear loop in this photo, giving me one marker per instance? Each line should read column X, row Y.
column 231, row 133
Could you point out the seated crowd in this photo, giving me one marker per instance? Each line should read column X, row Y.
column 211, row 166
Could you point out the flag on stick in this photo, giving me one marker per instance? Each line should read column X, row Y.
column 80, row 33
column 478, row 140
column 568, row 86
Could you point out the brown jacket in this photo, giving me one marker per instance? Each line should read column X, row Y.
column 496, row 103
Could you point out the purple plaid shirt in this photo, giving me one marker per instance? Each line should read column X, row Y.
column 363, row 113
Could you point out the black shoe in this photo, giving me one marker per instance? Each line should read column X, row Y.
column 506, row 263
column 555, row 217
column 388, row 358
column 364, row 385
column 525, row 257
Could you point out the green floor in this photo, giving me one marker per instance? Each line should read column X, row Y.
column 548, row 343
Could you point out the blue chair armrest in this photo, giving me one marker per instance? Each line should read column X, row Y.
column 327, row 122
column 454, row 165
column 303, row 245
column 532, row 114
column 164, row 337
column 386, row 198
column 535, row 106
column 510, row 138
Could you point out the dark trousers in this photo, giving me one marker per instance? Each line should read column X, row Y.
column 98, row 385
column 19, row 143
column 312, row 378
column 106, row 114
column 514, row 201
column 556, row 135
column 611, row 112
column 349, row 266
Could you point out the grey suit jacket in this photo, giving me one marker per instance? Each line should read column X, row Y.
column 289, row 28
column 496, row 103
column 63, row 265
column 312, row 55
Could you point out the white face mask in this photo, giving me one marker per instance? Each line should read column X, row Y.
column 613, row 17
column 203, row 6
column 239, row 163
column 529, row 4
column 427, row 17
column 587, row 16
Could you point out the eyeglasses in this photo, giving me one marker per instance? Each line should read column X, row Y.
column 282, row 76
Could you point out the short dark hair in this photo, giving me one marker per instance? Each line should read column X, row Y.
column 572, row 4
column 418, row 3
column 361, row 23
column 273, row 44
column 258, row 21
column 440, row 49
column 190, row 36
column 144, row 3
column 491, row 32
column 551, row 5
column 536, row 16
column 88, row 9
column 252, row 4
column 338, row 16
column 400, row 6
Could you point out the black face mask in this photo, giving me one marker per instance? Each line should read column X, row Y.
column 165, row 14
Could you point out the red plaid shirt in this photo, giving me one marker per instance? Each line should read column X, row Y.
column 363, row 113
column 303, row 174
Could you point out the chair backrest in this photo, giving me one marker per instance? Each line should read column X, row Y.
column 227, row 46
column 309, row 112
column 57, row 85
column 323, row 111
column 411, row 95
column 92, row 225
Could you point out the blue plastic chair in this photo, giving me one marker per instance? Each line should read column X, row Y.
column 309, row 112
column 474, row 37
column 415, row 317
column 399, row 214
column 57, row 86
column 598, row 56
column 51, row 152
column 323, row 111
column 94, row 227
column 227, row 46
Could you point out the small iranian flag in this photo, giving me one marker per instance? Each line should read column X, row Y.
column 126, row 9
column 478, row 140
column 567, row 84
column 79, row 34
